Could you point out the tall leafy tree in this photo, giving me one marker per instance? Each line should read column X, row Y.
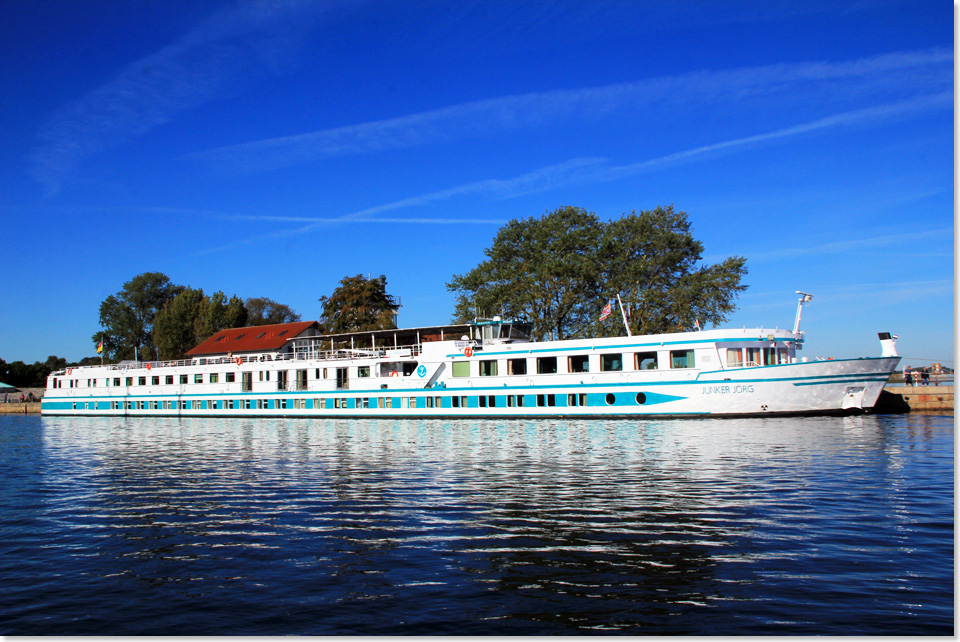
column 541, row 268
column 178, row 327
column 653, row 261
column 359, row 304
column 559, row 270
column 127, row 316
column 192, row 317
column 264, row 311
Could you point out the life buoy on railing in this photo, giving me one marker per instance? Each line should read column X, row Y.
column 148, row 366
column 69, row 370
column 239, row 361
column 394, row 374
column 468, row 351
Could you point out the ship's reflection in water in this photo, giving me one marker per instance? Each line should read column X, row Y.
column 813, row 525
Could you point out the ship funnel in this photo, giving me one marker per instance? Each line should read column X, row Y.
column 888, row 343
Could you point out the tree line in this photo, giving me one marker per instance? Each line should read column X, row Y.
column 34, row 375
column 153, row 318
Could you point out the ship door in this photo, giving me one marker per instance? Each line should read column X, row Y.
column 342, row 382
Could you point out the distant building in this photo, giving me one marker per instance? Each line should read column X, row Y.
column 256, row 340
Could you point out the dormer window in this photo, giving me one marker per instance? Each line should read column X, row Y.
column 261, row 334
column 282, row 333
column 239, row 336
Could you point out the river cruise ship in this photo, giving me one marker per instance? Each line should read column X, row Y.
column 489, row 368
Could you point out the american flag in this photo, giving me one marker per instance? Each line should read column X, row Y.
column 607, row 310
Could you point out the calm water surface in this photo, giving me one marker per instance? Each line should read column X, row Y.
column 212, row 526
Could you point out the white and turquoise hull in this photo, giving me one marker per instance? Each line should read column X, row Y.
column 592, row 378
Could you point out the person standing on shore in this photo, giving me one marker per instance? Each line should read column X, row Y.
column 907, row 377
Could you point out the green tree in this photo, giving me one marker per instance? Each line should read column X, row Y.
column 542, row 268
column 359, row 304
column 236, row 314
column 653, row 261
column 264, row 311
column 127, row 316
column 178, row 327
column 559, row 270
column 192, row 317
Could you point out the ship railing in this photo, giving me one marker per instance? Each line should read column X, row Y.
column 743, row 364
column 342, row 354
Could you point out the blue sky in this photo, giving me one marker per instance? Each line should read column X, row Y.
column 272, row 148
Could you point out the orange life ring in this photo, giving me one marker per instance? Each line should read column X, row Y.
column 148, row 366
column 239, row 361
column 69, row 370
column 394, row 374
column 468, row 351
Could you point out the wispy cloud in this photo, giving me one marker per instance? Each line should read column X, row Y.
column 597, row 170
column 838, row 83
column 245, row 40
column 852, row 245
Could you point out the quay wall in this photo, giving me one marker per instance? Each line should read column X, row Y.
column 910, row 398
column 17, row 408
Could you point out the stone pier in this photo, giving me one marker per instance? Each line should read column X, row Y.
column 911, row 398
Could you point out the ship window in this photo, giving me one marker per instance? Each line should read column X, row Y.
column 230, row 377
column 184, row 379
column 546, row 365
column 461, row 368
column 610, row 398
column 735, row 357
column 516, row 366
column 488, row 368
column 753, row 356
column 681, row 359
column 214, row 377
column 769, row 356
column 483, row 400
column 141, row 381
column 116, row 381
column 578, row 363
column 198, row 378
column 454, row 402
column 611, row 362
column 168, row 380
column 154, row 381
column 645, row 361
column 363, row 371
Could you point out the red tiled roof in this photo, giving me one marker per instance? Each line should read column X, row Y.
column 258, row 338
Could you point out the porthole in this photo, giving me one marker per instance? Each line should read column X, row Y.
column 641, row 398
column 610, row 398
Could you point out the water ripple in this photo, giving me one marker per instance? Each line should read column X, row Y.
column 761, row 526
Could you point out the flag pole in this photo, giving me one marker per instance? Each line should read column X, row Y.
column 624, row 314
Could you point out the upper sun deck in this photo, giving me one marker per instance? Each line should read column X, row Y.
column 487, row 336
